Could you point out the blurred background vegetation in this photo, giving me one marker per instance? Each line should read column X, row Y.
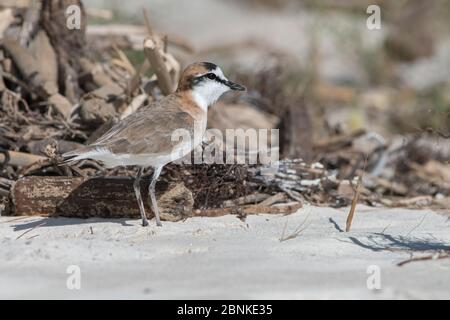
column 395, row 80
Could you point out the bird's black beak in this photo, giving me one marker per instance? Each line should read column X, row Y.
column 235, row 86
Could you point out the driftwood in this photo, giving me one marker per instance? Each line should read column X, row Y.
column 109, row 197
column 249, row 209
column 95, row 73
column 69, row 45
column 251, row 198
column 20, row 159
column 43, row 52
column 113, row 197
column 152, row 50
column 262, row 199
column 37, row 70
column 29, row 68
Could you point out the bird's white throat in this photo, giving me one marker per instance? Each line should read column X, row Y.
column 208, row 93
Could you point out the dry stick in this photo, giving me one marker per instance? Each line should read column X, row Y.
column 21, row 83
column 2, row 83
column 165, row 40
column 353, row 206
column 134, row 105
column 134, row 82
column 338, row 141
column 296, row 232
column 37, row 226
column 152, row 52
column 126, row 62
column 418, row 225
column 355, row 199
column 248, row 199
column 432, row 257
column 180, row 43
column 279, row 197
column 147, row 22
column 15, row 219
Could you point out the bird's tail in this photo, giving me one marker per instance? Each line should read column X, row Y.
column 75, row 155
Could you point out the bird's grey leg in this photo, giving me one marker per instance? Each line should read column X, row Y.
column 151, row 191
column 137, row 191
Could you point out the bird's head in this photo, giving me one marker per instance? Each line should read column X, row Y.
column 206, row 83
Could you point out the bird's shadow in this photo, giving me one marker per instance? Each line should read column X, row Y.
column 61, row 221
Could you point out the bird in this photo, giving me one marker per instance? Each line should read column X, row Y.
column 144, row 138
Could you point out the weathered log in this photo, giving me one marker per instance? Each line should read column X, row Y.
column 108, row 197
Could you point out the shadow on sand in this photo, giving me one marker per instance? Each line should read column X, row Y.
column 385, row 242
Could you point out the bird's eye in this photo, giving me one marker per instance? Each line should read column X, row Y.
column 211, row 76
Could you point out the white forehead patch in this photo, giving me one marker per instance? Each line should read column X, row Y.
column 218, row 72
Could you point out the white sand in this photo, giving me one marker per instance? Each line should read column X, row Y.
column 227, row 258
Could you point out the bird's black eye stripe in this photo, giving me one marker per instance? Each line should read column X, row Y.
column 213, row 76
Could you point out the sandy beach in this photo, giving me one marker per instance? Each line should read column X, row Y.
column 300, row 256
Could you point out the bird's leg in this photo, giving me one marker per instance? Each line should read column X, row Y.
column 151, row 191
column 137, row 191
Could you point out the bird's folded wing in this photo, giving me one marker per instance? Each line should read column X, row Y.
column 151, row 131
